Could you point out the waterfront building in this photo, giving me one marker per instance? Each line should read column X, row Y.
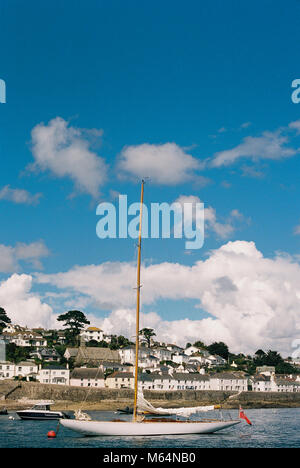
column 120, row 380
column 54, row 374
column 7, row 370
column 26, row 369
column 87, row 377
column 229, row 381
column 184, row 381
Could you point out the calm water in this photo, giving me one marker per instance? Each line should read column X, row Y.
column 271, row 428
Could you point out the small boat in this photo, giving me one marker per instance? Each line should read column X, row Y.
column 126, row 410
column 3, row 411
column 42, row 411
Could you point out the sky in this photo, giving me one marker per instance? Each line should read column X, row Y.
column 194, row 96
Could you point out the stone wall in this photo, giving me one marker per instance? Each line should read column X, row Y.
column 38, row 391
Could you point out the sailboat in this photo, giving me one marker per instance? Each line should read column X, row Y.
column 140, row 425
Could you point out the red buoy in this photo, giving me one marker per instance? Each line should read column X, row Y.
column 51, row 434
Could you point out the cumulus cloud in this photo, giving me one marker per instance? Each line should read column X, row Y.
column 166, row 164
column 222, row 229
column 253, row 301
column 10, row 257
column 19, row 196
column 270, row 145
column 295, row 126
column 22, row 305
column 65, row 152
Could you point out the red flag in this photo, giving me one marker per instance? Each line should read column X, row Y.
column 243, row 416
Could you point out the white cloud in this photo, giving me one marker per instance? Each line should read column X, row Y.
column 295, row 126
column 64, row 151
column 222, row 229
column 10, row 257
column 245, row 124
column 253, row 301
column 22, row 306
column 270, row 145
column 165, row 164
column 297, row 230
column 19, row 196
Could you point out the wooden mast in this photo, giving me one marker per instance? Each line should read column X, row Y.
column 138, row 290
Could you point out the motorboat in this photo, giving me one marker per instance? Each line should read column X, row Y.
column 42, row 411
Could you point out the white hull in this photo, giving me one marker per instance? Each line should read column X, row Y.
column 120, row 428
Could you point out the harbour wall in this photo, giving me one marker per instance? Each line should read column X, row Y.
column 103, row 398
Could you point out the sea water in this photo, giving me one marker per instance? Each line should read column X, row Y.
column 271, row 428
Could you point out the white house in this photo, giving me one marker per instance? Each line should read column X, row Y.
column 180, row 358
column 263, row 383
column 120, row 380
column 146, row 381
column 25, row 339
column 272, row 383
column 266, row 370
column 286, row 385
column 146, row 358
column 127, row 355
column 228, row 381
column 87, row 377
column 92, row 333
column 192, row 350
column 7, row 370
column 183, row 381
column 162, row 382
column 26, row 369
column 54, row 374
column 149, row 362
column 163, row 354
column 174, row 348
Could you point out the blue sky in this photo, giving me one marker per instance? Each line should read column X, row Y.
column 202, row 75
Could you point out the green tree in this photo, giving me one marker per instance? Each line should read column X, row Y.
column 123, row 342
column 75, row 321
column 92, row 344
column 220, row 348
column 260, row 353
column 4, row 319
column 200, row 344
column 147, row 334
column 16, row 353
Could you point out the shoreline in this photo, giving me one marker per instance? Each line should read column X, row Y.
column 22, row 395
column 113, row 405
